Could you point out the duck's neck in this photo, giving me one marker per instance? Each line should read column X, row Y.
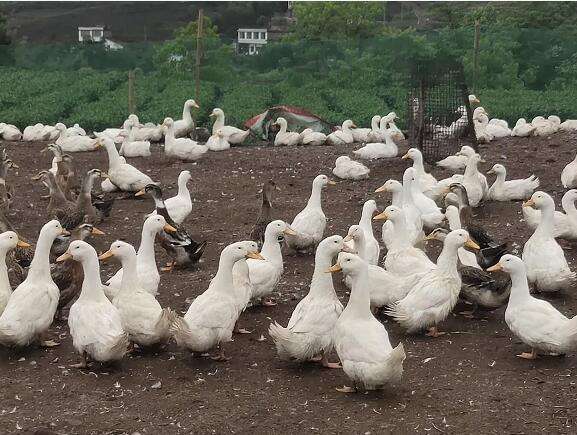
column 113, row 156
column 40, row 266
column 500, row 180
column 366, row 221
column 129, row 274
column 454, row 221
column 315, row 198
column 187, row 115
column 375, row 124
column 4, row 280
column 569, row 207
column 361, row 246
column 146, row 252
column 408, row 194
column 91, row 285
column 471, row 168
column 322, row 282
column 283, row 127
column 218, row 123
column 55, row 192
column 447, row 261
column 131, row 133
column 85, row 196
column 183, row 191
column 271, row 249
column 519, row 287
column 545, row 227
column 401, row 238
column 397, row 198
column 169, row 136
column 359, row 304
column 418, row 165
column 223, row 279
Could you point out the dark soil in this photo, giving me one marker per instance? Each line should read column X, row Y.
column 468, row 381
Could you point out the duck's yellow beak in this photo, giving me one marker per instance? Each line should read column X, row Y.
column 529, row 203
column 406, row 156
column 140, row 192
column 348, row 238
column 23, row 244
column 106, row 256
column 289, row 231
column 381, row 217
column 383, row 188
column 64, row 257
column 334, row 269
column 97, row 232
column 495, row 268
column 430, row 237
column 490, row 171
column 331, row 183
column 64, row 232
column 195, row 105
column 169, row 228
column 471, row 244
column 255, row 256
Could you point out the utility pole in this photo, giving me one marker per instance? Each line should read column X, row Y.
column 131, row 96
column 476, row 53
column 198, row 54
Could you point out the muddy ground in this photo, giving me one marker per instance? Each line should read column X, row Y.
column 468, row 381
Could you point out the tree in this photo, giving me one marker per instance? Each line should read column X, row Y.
column 334, row 20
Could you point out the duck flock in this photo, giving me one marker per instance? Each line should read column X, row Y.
column 392, row 276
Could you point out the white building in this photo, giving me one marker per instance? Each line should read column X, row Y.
column 250, row 40
column 91, row 34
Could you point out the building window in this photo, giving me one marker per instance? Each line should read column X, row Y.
column 241, row 35
column 85, row 35
column 97, row 34
column 254, row 35
column 262, row 35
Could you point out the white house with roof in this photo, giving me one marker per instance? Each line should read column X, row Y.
column 251, row 40
column 91, row 34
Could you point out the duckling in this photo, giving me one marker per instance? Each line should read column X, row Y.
column 180, row 205
column 265, row 275
column 178, row 244
column 181, row 148
column 488, row 291
column 309, row 332
column 265, row 215
column 348, row 169
column 8, row 241
column 95, row 324
column 211, row 317
column 67, row 275
column 361, row 341
column 547, row 267
column 510, row 190
column 536, row 322
column 30, row 309
column 310, row 223
column 432, row 299
column 145, row 321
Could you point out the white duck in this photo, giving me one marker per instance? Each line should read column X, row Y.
column 39, row 132
column 344, row 136
column 394, row 131
column 148, row 132
column 372, row 247
column 547, row 267
column 180, row 205
column 396, row 189
column 95, row 324
column 8, row 241
column 535, row 322
column 146, row 268
column 413, row 215
column 30, row 309
column 134, row 148
column 378, row 150
column 458, row 161
column 145, row 321
column 181, row 148
column 361, row 341
column 309, row 332
column 474, row 182
column 498, row 128
column 361, row 135
column 185, row 126
column 211, row 317
column 284, row 137
column 522, row 128
column 510, row 190
column 313, row 138
column 568, row 125
column 569, row 175
column 10, row 132
column 217, row 142
column 348, row 169
column 310, row 223
column 432, row 299
column 402, row 257
column 425, row 180
column 467, row 258
column 232, row 134
column 431, row 215
column 122, row 175
column 265, row 275
column 564, row 224
column 70, row 144
column 545, row 127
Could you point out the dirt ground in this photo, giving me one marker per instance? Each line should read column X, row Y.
column 468, row 381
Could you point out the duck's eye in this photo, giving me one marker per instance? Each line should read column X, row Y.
column 336, row 241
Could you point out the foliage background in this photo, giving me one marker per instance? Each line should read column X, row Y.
column 340, row 61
